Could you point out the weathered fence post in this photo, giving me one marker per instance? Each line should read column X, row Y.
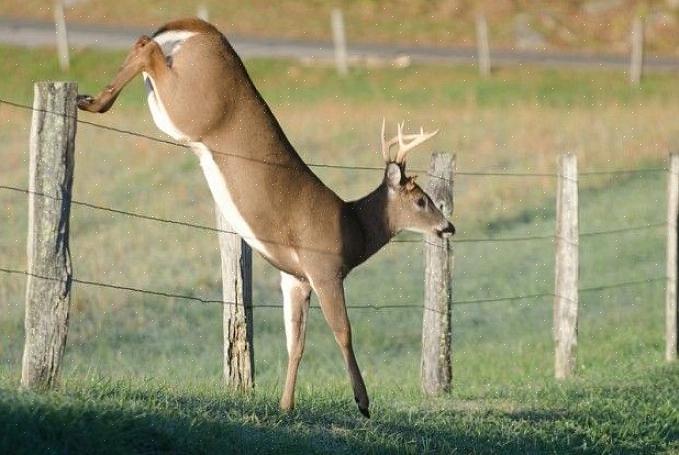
column 239, row 365
column 436, row 367
column 636, row 64
column 482, row 47
column 671, row 309
column 61, row 35
column 567, row 267
column 48, row 287
column 202, row 12
column 339, row 41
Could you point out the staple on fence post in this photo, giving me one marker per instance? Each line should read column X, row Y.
column 567, row 267
column 482, row 46
column 436, row 366
column 239, row 365
column 636, row 63
column 61, row 35
column 671, row 308
column 339, row 41
column 51, row 164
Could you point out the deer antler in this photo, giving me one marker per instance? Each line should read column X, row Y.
column 386, row 146
column 403, row 147
column 415, row 140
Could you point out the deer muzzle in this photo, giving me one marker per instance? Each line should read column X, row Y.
column 447, row 230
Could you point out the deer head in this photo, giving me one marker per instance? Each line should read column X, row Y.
column 409, row 207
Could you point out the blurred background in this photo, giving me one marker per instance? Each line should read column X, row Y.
column 510, row 84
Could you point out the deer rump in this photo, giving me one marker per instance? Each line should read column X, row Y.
column 200, row 94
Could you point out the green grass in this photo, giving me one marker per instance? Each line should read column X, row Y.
column 163, row 357
column 634, row 414
column 284, row 82
column 141, row 373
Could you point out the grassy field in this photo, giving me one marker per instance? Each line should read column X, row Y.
column 141, row 373
column 583, row 25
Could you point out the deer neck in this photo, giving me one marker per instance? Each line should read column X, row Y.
column 371, row 212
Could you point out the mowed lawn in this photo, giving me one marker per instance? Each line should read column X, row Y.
column 142, row 373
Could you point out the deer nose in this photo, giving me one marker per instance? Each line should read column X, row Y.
column 448, row 230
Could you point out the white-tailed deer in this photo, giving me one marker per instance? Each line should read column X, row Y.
column 200, row 94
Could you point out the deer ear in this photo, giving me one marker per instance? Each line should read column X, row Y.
column 393, row 176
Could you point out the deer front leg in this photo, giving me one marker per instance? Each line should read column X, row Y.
column 145, row 55
column 331, row 296
column 296, row 294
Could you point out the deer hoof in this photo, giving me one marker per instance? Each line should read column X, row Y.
column 363, row 407
column 85, row 102
column 365, row 412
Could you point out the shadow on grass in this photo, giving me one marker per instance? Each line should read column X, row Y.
column 116, row 417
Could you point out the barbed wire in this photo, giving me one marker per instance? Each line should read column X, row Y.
column 336, row 166
column 649, row 170
column 376, row 307
column 396, row 240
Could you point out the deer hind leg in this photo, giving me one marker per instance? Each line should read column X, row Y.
column 145, row 55
column 296, row 294
column 331, row 297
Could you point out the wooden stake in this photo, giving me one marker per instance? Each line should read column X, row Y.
column 61, row 35
column 671, row 308
column 239, row 364
column 340, row 42
column 48, row 287
column 567, row 265
column 436, row 367
column 482, row 46
column 636, row 64
column 203, row 13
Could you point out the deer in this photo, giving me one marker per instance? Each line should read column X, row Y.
column 200, row 94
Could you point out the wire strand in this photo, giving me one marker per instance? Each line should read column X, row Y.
column 333, row 166
column 172, row 295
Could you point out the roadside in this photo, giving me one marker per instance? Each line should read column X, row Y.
column 40, row 34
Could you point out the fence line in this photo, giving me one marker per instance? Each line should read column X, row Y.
column 567, row 239
column 339, row 166
column 172, row 295
column 218, row 230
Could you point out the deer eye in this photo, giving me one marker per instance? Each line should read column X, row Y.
column 421, row 202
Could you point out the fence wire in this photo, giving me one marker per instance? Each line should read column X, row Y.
column 171, row 295
column 214, row 229
column 376, row 307
column 337, row 166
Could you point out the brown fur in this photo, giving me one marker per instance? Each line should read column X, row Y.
column 308, row 232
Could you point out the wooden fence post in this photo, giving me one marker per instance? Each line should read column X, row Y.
column 671, row 308
column 339, row 41
column 567, row 267
column 61, row 35
column 436, row 366
column 48, row 287
column 239, row 364
column 202, row 12
column 636, row 64
column 482, row 47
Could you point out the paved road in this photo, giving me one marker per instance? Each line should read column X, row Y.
column 35, row 34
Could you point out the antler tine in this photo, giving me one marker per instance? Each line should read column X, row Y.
column 387, row 145
column 415, row 140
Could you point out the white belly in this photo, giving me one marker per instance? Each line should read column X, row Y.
column 225, row 203
column 170, row 42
